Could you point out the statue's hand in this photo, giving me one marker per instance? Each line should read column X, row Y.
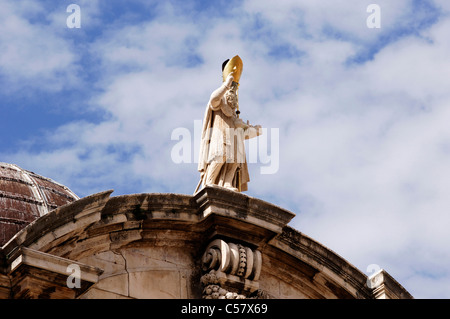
column 258, row 129
column 240, row 123
column 229, row 80
column 252, row 131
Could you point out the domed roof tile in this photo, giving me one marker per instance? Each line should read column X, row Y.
column 25, row 196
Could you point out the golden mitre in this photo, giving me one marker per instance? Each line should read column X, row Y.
column 234, row 66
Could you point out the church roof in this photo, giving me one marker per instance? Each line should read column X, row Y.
column 25, row 196
column 162, row 246
column 157, row 246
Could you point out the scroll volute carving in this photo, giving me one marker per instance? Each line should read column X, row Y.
column 232, row 259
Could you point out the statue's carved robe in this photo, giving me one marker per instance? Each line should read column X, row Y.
column 222, row 142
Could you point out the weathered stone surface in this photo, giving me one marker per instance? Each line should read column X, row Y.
column 384, row 286
column 35, row 274
column 59, row 217
column 224, row 202
column 157, row 284
column 151, row 246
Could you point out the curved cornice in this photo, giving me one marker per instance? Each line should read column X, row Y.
column 107, row 223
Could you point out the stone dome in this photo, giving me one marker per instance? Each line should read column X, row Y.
column 25, row 196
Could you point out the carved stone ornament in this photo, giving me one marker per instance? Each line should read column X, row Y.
column 231, row 271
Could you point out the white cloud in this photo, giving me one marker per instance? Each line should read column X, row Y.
column 364, row 147
column 33, row 54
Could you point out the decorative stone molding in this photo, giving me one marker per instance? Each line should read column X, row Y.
column 213, row 290
column 219, row 201
column 231, row 271
column 383, row 286
column 147, row 246
column 232, row 259
column 39, row 275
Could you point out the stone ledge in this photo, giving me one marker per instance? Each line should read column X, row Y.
column 60, row 217
column 221, row 201
column 34, row 258
column 323, row 259
column 384, row 286
column 35, row 274
column 98, row 223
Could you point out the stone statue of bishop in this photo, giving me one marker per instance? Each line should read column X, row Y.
column 222, row 159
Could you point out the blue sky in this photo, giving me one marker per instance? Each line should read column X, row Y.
column 362, row 114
